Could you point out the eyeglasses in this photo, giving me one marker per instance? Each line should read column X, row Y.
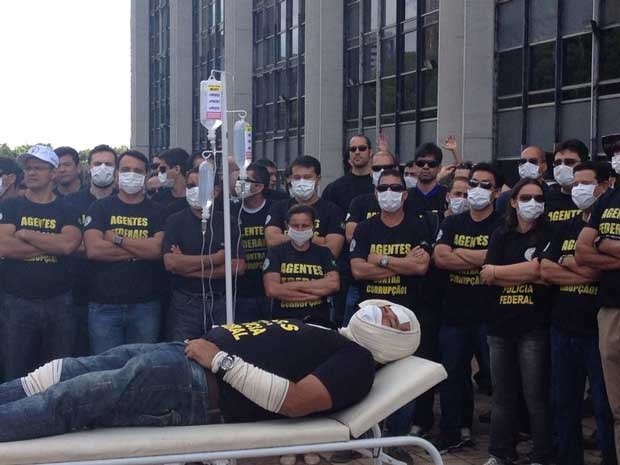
column 359, row 148
column 484, row 184
column 392, row 187
column 566, row 161
column 540, row 198
column 423, row 163
column 533, row 161
column 378, row 168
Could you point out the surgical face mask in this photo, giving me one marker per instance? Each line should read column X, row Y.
column 478, row 198
column 458, row 205
column 375, row 177
column 528, row 170
column 192, row 195
column 583, row 195
column 563, row 175
column 300, row 237
column 615, row 162
column 102, row 175
column 131, row 183
column 411, row 182
column 243, row 189
column 390, row 201
column 531, row 210
column 303, row 189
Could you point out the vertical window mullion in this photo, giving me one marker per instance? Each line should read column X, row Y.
column 525, row 70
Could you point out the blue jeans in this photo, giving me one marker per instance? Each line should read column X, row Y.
column 188, row 318
column 37, row 331
column 457, row 345
column 523, row 359
column 132, row 385
column 573, row 358
column 252, row 309
column 112, row 325
column 350, row 306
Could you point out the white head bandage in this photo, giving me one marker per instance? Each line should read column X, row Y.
column 384, row 343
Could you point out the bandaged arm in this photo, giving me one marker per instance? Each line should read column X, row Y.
column 274, row 393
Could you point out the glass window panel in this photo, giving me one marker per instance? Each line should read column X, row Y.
column 609, row 115
column 282, row 46
column 410, row 51
column 301, row 114
column 510, row 16
column 430, row 5
column 542, row 66
column 370, row 15
column 575, row 121
column 302, row 38
column 370, row 99
column 610, row 54
column 282, row 117
column 388, row 57
column 269, row 21
column 292, row 81
column 510, row 72
column 577, row 59
column 509, row 134
column 408, row 90
column 541, row 127
column 268, row 91
column 411, row 8
column 429, row 88
column 352, row 102
column 295, row 13
column 268, row 117
column 352, row 25
column 370, row 61
column 610, row 12
column 292, row 113
column 294, row 41
column 389, row 12
column 543, row 20
column 431, row 45
column 388, row 95
column 576, row 16
column 352, row 65
column 283, row 16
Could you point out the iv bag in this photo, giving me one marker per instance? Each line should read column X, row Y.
column 206, row 176
column 242, row 145
column 211, row 103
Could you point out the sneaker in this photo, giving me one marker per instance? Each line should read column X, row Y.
column 399, row 453
column 419, row 432
column 288, row 460
column 345, row 456
column 495, row 461
column 312, row 459
column 448, row 444
column 466, row 438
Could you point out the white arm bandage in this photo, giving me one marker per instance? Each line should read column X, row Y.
column 42, row 378
column 260, row 386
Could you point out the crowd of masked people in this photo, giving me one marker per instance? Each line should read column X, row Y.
column 523, row 279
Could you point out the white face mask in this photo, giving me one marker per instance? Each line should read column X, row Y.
column 563, row 175
column 375, row 177
column 458, row 205
column 164, row 180
column 411, row 182
column 528, row 170
column 243, row 189
column 300, row 237
column 303, row 189
column 615, row 162
column 583, row 195
column 531, row 210
column 478, row 198
column 102, row 175
column 192, row 195
column 131, row 183
column 390, row 201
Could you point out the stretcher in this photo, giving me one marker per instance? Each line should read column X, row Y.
column 394, row 386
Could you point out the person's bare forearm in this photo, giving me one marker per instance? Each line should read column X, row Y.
column 474, row 257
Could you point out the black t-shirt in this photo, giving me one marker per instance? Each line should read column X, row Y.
column 373, row 236
column 434, row 201
column 175, row 206
column 329, row 218
column 250, row 284
column 559, row 206
column 362, row 207
column 344, row 189
column 523, row 308
column 184, row 230
column 46, row 275
column 128, row 281
column 574, row 306
column 164, row 197
column 606, row 220
column 294, row 265
column 466, row 300
column 293, row 350
column 276, row 195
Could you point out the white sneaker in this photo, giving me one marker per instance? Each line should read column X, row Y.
column 288, row 460
column 466, row 437
column 312, row 459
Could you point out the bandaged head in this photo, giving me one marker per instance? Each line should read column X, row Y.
column 386, row 344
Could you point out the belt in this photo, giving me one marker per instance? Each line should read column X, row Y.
column 214, row 415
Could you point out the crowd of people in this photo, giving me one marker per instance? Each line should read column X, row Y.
column 524, row 279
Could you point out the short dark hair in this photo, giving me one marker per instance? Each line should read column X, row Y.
column 602, row 170
column 484, row 166
column 455, row 180
column 175, row 157
column 392, row 172
column 429, row 149
column 10, row 166
column 66, row 150
column 409, row 164
column 134, row 154
column 192, row 171
column 301, row 209
column 306, row 161
column 265, row 163
column 101, row 148
column 576, row 146
column 260, row 174
column 365, row 138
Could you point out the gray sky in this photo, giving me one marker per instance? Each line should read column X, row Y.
column 65, row 72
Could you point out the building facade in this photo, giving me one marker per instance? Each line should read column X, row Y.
column 498, row 74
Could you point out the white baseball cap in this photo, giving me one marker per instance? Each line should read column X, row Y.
column 41, row 152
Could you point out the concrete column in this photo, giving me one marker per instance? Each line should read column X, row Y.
column 140, row 75
column 238, row 46
column 478, row 80
column 450, row 73
column 181, row 74
column 324, row 85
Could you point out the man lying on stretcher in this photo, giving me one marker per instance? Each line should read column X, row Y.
column 262, row 370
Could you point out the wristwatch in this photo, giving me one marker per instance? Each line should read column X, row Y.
column 384, row 261
column 118, row 240
column 597, row 241
column 561, row 259
column 227, row 362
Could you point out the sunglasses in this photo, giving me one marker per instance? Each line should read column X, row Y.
column 378, row 168
column 251, row 181
column 162, row 169
column 566, row 161
column 359, row 148
column 391, row 187
column 527, row 197
column 429, row 163
column 484, row 184
column 533, row 161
